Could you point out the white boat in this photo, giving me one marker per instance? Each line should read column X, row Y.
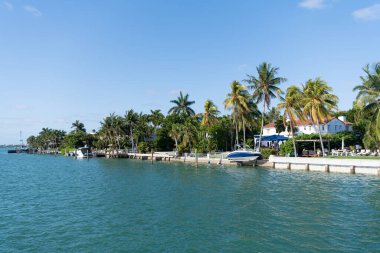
column 244, row 156
column 83, row 152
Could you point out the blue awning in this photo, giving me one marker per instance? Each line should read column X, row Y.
column 274, row 138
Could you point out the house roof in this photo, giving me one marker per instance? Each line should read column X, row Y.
column 270, row 125
column 307, row 123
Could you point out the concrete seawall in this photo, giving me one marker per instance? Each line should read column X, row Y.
column 336, row 165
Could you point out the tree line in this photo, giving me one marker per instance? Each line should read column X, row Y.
column 183, row 129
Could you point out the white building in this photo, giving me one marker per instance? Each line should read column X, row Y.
column 333, row 126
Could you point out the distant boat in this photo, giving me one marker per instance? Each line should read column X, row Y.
column 19, row 149
column 84, row 152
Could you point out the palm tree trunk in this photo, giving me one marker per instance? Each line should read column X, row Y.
column 262, row 125
column 294, row 141
column 320, row 137
column 237, row 130
column 132, row 139
column 243, row 133
column 207, row 144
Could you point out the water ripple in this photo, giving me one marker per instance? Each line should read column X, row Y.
column 53, row 203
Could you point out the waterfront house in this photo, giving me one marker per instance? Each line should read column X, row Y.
column 332, row 126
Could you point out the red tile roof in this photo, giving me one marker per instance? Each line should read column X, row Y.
column 270, row 125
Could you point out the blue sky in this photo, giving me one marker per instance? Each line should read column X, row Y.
column 67, row 60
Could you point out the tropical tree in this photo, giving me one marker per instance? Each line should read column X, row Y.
column 210, row 114
column 111, row 131
column 237, row 100
column 291, row 107
column 368, row 98
column 32, row 142
column 208, row 119
column 265, row 88
column 143, row 130
column 189, row 134
column 182, row 106
column 318, row 103
column 248, row 117
column 175, row 133
column 272, row 115
column 78, row 126
column 131, row 119
column 156, row 118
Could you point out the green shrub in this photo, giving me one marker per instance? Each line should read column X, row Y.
column 369, row 142
column 287, row 148
column 266, row 152
column 143, row 147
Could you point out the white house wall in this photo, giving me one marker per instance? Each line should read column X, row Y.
column 332, row 127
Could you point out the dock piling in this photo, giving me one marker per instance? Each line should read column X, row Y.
column 196, row 157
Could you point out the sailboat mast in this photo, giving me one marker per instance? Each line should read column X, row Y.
column 21, row 140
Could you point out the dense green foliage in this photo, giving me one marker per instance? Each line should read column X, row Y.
column 184, row 130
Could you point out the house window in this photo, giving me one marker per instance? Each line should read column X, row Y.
column 323, row 127
column 340, row 127
column 309, row 128
column 335, row 127
column 304, row 128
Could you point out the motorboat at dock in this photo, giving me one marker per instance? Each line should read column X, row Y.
column 244, row 156
column 83, row 152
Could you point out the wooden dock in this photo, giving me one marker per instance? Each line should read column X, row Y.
column 163, row 156
column 158, row 156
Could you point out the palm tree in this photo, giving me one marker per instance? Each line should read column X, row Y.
column 78, row 126
column 265, row 87
column 318, row 103
column 273, row 114
column 143, row 130
column 249, row 117
column 208, row 119
column 189, row 133
column 292, row 110
column 237, row 100
column 111, row 130
column 175, row 134
column 369, row 97
column 210, row 115
column 131, row 119
column 182, row 106
column 156, row 117
column 46, row 136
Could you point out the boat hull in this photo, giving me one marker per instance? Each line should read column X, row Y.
column 244, row 157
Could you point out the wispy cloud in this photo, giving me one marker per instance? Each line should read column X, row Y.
column 22, row 107
column 176, row 92
column 152, row 92
column 33, row 10
column 312, row 4
column 8, row 5
column 242, row 67
column 369, row 14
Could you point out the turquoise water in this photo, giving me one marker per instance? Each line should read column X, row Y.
column 58, row 204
